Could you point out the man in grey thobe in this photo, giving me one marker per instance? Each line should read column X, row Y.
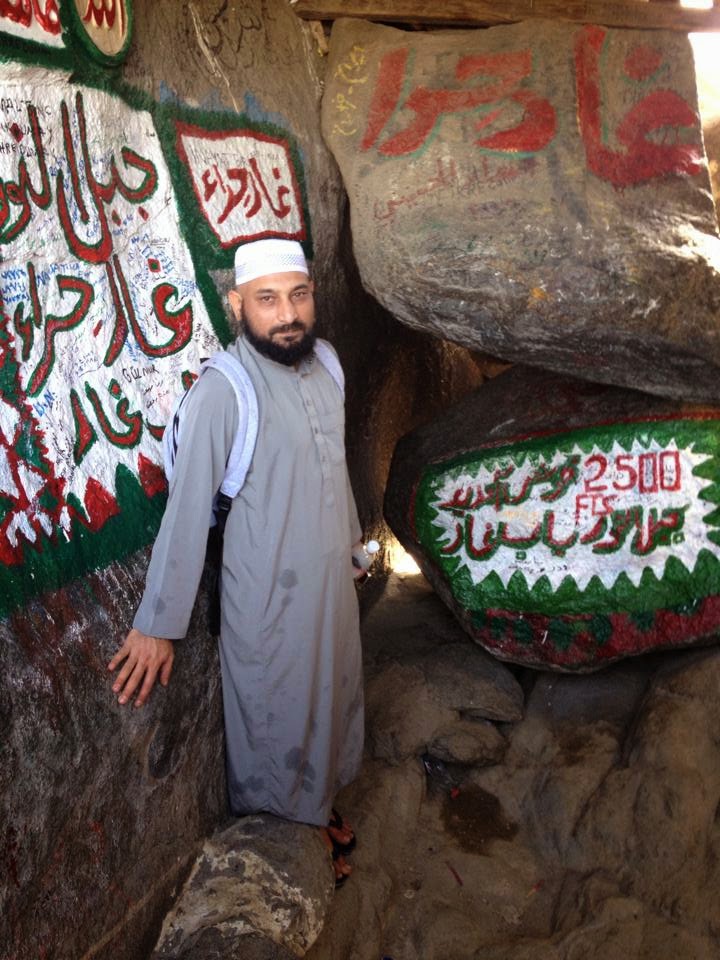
column 289, row 646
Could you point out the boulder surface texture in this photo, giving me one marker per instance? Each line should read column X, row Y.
column 536, row 191
column 260, row 889
column 566, row 524
column 593, row 836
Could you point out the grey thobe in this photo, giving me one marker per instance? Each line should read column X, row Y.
column 289, row 647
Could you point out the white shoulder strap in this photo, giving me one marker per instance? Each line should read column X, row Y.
column 243, row 447
column 329, row 359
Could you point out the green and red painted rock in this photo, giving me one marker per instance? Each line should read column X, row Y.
column 573, row 546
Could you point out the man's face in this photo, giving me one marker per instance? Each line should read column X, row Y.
column 278, row 312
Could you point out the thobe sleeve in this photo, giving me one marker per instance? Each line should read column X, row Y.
column 210, row 422
column 353, row 519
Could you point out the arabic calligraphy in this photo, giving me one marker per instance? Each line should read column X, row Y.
column 652, row 530
column 493, row 97
column 349, row 73
column 252, row 190
column 106, row 24
column 245, row 183
column 19, row 197
column 23, row 194
column 497, row 78
column 28, row 13
column 640, row 159
column 550, row 516
column 498, row 492
column 445, row 177
column 101, row 321
column 103, row 13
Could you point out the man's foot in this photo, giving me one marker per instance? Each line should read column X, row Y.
column 341, row 833
column 340, row 866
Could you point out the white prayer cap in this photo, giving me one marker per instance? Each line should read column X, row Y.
column 263, row 257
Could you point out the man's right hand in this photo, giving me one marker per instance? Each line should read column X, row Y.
column 145, row 657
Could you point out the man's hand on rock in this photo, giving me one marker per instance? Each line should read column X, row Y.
column 145, row 657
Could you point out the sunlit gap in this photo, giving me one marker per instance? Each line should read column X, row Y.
column 706, row 50
column 401, row 562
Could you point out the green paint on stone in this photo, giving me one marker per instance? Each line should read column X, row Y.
column 643, row 620
column 601, row 629
column 59, row 560
column 561, row 633
column 523, row 632
column 536, row 526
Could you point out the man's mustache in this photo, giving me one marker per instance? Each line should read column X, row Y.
column 287, row 328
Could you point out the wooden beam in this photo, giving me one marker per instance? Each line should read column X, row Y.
column 610, row 13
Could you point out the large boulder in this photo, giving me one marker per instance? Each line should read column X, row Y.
column 103, row 808
column 536, row 191
column 566, row 524
column 260, row 890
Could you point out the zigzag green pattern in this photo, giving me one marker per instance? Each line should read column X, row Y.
column 677, row 589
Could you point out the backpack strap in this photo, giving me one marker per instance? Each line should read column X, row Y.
column 243, row 448
column 329, row 359
column 171, row 434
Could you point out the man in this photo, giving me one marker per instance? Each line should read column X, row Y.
column 289, row 641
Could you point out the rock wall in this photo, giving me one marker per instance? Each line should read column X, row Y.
column 133, row 157
column 136, row 149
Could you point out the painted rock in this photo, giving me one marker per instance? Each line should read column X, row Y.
column 566, row 524
column 537, row 191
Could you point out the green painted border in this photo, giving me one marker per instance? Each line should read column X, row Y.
column 82, row 40
column 676, row 588
column 58, row 561
column 204, row 245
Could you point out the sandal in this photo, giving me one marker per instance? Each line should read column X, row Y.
column 337, row 823
column 337, row 855
column 340, row 878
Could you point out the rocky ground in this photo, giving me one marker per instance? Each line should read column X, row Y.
column 552, row 816
column 502, row 814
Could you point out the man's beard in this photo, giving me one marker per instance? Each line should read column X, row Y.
column 288, row 354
